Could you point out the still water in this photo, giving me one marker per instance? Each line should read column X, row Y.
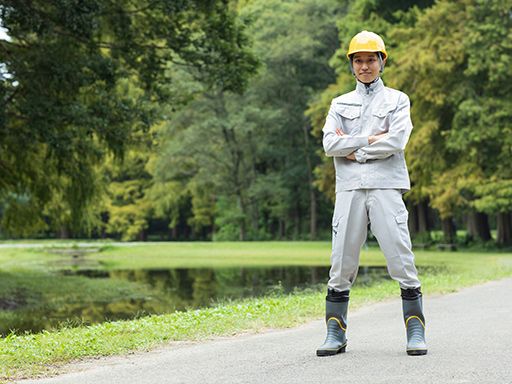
column 165, row 291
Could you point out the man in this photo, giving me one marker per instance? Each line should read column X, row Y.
column 366, row 131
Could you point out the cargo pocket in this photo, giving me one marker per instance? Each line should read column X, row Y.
column 335, row 227
column 384, row 110
column 401, row 221
column 349, row 117
column 402, row 218
column 380, row 118
column 349, row 112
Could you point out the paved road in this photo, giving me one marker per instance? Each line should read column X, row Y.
column 469, row 336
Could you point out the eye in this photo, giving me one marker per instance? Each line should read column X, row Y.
column 357, row 61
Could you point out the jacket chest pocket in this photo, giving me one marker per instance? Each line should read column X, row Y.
column 350, row 117
column 381, row 118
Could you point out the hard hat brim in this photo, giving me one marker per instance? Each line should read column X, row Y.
column 384, row 53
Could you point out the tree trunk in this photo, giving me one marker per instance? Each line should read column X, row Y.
column 174, row 233
column 296, row 220
column 255, row 219
column 478, row 226
column 423, row 217
column 504, row 236
column 312, row 196
column 237, row 168
column 64, row 232
column 243, row 232
column 413, row 220
column 313, row 214
column 282, row 229
column 186, row 232
column 449, row 231
column 419, row 224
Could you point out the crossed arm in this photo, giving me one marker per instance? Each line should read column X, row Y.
column 373, row 147
column 371, row 139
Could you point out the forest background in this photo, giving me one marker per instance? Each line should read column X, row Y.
column 201, row 120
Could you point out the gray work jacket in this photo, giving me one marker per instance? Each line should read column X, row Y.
column 369, row 110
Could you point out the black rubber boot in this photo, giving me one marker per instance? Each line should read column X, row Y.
column 414, row 321
column 336, row 306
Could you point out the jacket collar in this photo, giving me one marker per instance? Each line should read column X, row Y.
column 374, row 87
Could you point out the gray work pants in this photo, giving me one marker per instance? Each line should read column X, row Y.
column 385, row 210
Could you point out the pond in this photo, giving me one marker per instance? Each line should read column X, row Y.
column 88, row 296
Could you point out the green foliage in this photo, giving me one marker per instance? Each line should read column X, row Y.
column 462, row 118
column 86, row 84
column 242, row 159
column 18, row 216
column 167, row 198
column 80, row 78
column 129, row 208
column 495, row 195
column 227, row 218
column 453, row 60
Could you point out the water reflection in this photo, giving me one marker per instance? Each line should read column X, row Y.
column 200, row 287
column 157, row 291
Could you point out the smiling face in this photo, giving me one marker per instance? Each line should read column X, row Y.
column 366, row 66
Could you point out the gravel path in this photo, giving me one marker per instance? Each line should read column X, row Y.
column 469, row 335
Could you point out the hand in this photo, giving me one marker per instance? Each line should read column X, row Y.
column 339, row 132
column 352, row 157
column 372, row 139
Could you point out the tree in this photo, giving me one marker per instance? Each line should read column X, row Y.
column 460, row 148
column 482, row 124
column 435, row 86
column 128, row 208
column 246, row 160
column 295, row 42
column 80, row 78
column 452, row 59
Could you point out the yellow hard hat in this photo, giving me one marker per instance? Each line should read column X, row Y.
column 366, row 41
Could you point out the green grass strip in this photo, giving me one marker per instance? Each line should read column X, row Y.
column 44, row 353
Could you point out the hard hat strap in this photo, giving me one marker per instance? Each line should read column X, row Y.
column 381, row 62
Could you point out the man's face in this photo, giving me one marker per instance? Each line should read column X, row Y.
column 366, row 66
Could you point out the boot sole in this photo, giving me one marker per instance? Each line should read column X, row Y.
column 417, row 352
column 330, row 352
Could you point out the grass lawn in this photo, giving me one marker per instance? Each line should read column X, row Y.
column 43, row 353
